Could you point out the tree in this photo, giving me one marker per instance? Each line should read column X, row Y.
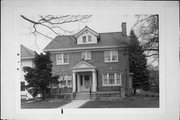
column 147, row 30
column 51, row 24
column 40, row 78
column 137, row 64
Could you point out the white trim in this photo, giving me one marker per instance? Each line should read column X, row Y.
column 86, row 55
column 111, row 56
column 62, row 58
column 24, row 58
column 84, row 62
column 115, row 78
column 84, row 29
column 82, row 48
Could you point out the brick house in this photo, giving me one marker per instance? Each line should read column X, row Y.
column 91, row 65
column 27, row 56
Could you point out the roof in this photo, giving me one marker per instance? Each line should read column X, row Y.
column 86, row 28
column 105, row 39
column 26, row 53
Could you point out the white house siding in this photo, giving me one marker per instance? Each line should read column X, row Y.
column 86, row 33
column 25, row 62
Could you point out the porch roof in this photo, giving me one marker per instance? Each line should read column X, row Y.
column 83, row 65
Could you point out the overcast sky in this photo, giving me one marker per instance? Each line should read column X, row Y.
column 101, row 21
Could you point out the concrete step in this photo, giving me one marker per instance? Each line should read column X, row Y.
column 82, row 96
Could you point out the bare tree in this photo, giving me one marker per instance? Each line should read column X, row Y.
column 53, row 24
column 147, row 30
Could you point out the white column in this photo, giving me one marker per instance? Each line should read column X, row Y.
column 74, row 81
column 78, row 82
column 94, row 81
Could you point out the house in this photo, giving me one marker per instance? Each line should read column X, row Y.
column 27, row 56
column 91, row 64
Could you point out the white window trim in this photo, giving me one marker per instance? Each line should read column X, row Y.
column 115, row 77
column 65, row 78
column 87, row 41
column 62, row 57
column 110, row 56
column 86, row 55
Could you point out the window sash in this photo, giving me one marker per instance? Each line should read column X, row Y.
column 62, row 58
column 111, row 56
column 86, row 55
column 89, row 38
column 111, row 79
column 65, row 81
column 84, row 39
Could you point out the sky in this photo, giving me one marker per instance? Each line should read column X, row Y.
column 99, row 22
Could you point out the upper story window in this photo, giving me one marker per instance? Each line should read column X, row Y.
column 86, row 55
column 87, row 39
column 62, row 58
column 112, row 79
column 111, row 56
column 84, row 39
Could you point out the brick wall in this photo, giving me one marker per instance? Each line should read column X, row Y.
column 97, row 59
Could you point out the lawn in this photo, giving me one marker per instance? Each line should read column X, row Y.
column 133, row 102
column 44, row 104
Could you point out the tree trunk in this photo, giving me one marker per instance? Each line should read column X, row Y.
column 134, row 91
column 44, row 94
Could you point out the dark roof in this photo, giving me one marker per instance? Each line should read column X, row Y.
column 105, row 39
column 26, row 52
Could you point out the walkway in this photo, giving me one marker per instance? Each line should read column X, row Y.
column 74, row 104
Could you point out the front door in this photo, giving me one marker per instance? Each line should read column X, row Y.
column 85, row 82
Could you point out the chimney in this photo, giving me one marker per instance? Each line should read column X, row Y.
column 123, row 26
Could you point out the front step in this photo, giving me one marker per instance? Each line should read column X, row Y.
column 82, row 96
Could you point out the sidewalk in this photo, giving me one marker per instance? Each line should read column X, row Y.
column 74, row 104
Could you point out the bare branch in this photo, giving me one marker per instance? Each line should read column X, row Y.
column 53, row 23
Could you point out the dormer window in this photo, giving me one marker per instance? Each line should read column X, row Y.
column 89, row 38
column 84, row 39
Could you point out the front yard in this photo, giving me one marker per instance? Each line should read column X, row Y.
column 131, row 102
column 44, row 104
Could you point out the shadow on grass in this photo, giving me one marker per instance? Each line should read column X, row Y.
column 131, row 102
column 44, row 104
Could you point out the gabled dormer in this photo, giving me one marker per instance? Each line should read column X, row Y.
column 87, row 36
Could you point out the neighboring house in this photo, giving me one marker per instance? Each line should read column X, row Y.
column 154, row 80
column 92, row 65
column 27, row 57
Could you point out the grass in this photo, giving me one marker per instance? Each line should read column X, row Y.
column 44, row 104
column 133, row 102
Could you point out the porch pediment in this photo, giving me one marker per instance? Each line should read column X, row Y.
column 83, row 65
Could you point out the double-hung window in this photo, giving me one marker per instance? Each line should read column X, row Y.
column 62, row 58
column 22, row 86
column 87, row 39
column 111, row 79
column 84, row 39
column 65, row 81
column 111, row 56
column 86, row 55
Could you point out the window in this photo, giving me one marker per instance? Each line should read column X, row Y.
column 65, row 81
column 111, row 56
column 111, row 79
column 84, row 39
column 22, row 86
column 89, row 38
column 62, row 58
column 86, row 55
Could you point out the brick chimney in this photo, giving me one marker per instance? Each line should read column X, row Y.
column 123, row 26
